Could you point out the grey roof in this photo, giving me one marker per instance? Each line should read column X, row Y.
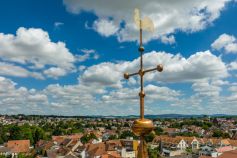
column 4, row 149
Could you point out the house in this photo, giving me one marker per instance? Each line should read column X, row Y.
column 214, row 142
column 214, row 152
column 60, row 139
column 66, row 142
column 234, row 136
column 80, row 151
column 224, row 149
column 204, row 157
column 129, row 148
column 170, row 146
column 42, row 146
column 74, row 145
column 101, row 129
column 129, row 144
column 108, row 133
column 18, row 146
column 128, row 154
column 95, row 141
column 228, row 154
column 5, row 151
column 172, row 142
column 192, row 142
column 67, row 148
column 113, row 145
column 59, row 152
column 206, row 150
column 171, row 131
column 112, row 154
column 100, row 150
column 71, row 155
column 233, row 143
column 125, row 148
column 110, row 149
column 95, row 150
column 52, row 153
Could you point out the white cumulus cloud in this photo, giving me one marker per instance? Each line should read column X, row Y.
column 105, row 27
column 232, row 65
column 34, row 46
column 226, row 42
column 201, row 65
column 87, row 54
column 168, row 39
column 17, row 71
column 168, row 16
column 34, row 49
column 55, row 72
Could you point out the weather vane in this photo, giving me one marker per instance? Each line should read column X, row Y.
column 142, row 126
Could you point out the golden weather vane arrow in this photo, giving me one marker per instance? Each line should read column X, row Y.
column 142, row 126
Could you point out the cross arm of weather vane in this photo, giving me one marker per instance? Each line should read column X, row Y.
column 142, row 72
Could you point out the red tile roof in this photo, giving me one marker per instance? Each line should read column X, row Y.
column 96, row 149
column 60, row 139
column 229, row 154
column 19, row 146
column 167, row 139
column 224, row 149
column 233, row 142
column 205, row 157
column 113, row 154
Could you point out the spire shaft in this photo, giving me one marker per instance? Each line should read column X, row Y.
column 142, row 126
column 141, row 94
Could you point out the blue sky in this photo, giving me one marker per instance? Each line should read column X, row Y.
column 68, row 57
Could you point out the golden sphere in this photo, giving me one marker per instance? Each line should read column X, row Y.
column 142, row 94
column 159, row 68
column 141, row 49
column 126, row 76
column 142, row 127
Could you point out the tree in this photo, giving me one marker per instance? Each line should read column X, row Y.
column 126, row 134
column 112, row 137
column 86, row 138
column 15, row 133
column 3, row 133
column 27, row 134
column 57, row 131
column 188, row 134
column 78, row 125
column 150, row 137
column 38, row 134
column 225, row 135
column 24, row 156
column 153, row 153
column 1, row 140
column 188, row 150
column 205, row 127
column 126, row 124
column 158, row 131
column 217, row 133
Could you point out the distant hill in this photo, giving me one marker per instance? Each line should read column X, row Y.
column 170, row 116
column 128, row 116
column 166, row 116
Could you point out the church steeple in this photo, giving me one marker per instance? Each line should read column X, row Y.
column 142, row 126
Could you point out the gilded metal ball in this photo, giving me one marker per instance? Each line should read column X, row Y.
column 141, row 49
column 159, row 67
column 142, row 127
column 142, row 94
column 126, row 76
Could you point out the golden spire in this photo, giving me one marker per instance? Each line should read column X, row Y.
column 142, row 126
